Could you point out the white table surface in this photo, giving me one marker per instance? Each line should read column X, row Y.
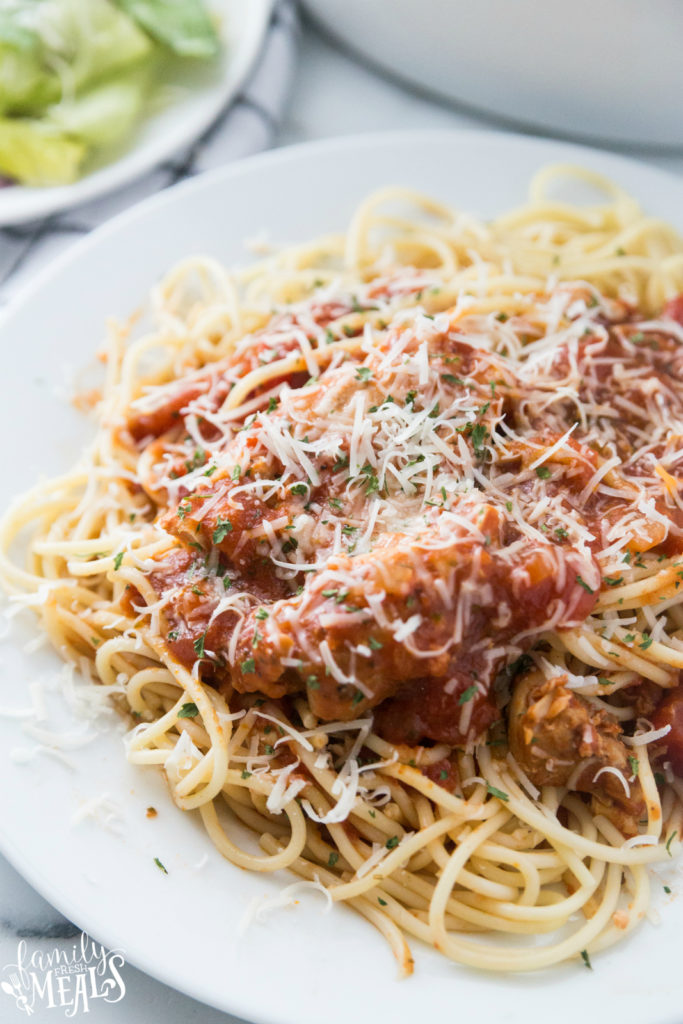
column 332, row 95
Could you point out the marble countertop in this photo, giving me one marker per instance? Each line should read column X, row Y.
column 332, row 95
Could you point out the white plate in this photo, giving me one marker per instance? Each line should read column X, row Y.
column 303, row 966
column 206, row 91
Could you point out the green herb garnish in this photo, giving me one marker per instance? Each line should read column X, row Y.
column 467, row 694
column 497, row 792
column 582, row 583
column 223, row 528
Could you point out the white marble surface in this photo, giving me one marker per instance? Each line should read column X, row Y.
column 332, row 95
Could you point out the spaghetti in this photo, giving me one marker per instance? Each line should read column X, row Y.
column 380, row 542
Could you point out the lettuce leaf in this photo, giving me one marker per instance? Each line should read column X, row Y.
column 36, row 153
column 105, row 114
column 97, row 39
column 15, row 34
column 182, row 26
column 50, row 48
column 25, row 82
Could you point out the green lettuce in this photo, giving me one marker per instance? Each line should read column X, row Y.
column 96, row 39
column 183, row 26
column 25, row 80
column 36, row 153
column 105, row 114
column 51, row 48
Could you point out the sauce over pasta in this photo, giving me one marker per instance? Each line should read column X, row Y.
column 394, row 529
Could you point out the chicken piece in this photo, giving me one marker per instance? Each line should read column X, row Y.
column 414, row 608
column 643, row 696
column 559, row 739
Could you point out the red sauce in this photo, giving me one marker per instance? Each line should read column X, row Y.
column 443, row 772
column 196, row 595
column 674, row 309
column 216, row 380
column 423, row 709
column 670, row 712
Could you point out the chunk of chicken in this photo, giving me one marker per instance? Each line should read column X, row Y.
column 370, row 623
column 559, row 739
